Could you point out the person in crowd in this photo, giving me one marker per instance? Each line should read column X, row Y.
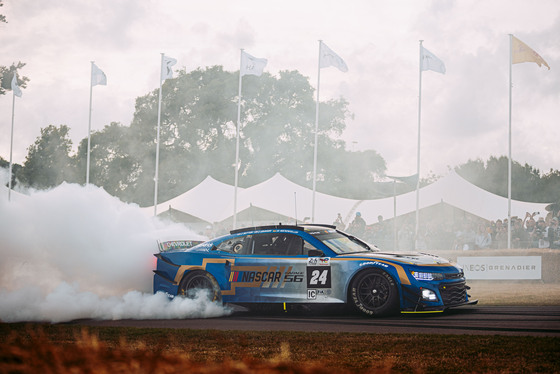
column 383, row 235
column 554, row 233
column 465, row 236
column 358, row 226
column 518, row 233
column 339, row 223
column 542, row 234
column 482, row 239
column 373, row 236
column 499, row 235
column 531, row 231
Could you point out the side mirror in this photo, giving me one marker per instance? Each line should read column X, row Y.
column 315, row 253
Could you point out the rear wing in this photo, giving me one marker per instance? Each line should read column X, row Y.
column 177, row 244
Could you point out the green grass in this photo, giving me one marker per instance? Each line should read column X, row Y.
column 30, row 348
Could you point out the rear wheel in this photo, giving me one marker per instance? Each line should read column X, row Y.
column 374, row 293
column 197, row 281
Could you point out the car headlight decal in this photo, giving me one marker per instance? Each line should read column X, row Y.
column 428, row 295
column 424, row 276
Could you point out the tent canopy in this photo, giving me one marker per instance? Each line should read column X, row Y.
column 212, row 201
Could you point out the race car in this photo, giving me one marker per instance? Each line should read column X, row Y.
column 310, row 264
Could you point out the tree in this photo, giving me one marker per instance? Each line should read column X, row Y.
column 48, row 162
column 551, row 186
column 527, row 183
column 112, row 164
column 2, row 17
column 198, row 137
column 352, row 175
column 7, row 73
column 197, row 113
column 5, row 164
column 198, row 130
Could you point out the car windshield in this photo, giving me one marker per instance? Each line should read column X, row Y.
column 340, row 243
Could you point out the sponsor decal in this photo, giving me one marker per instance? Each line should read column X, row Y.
column 206, row 245
column 263, row 277
column 318, row 261
column 311, row 294
column 294, row 276
column 255, row 276
column 374, row 263
column 501, row 267
column 169, row 295
column 316, row 232
column 177, row 244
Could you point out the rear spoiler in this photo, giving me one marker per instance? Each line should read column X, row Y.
column 177, row 244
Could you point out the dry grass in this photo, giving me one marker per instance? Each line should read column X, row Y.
column 35, row 348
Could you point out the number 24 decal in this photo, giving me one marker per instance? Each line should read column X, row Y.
column 318, row 277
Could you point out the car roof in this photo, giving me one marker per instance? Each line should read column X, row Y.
column 280, row 226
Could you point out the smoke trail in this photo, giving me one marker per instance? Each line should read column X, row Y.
column 77, row 252
column 66, row 302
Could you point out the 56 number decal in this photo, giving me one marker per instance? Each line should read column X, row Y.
column 318, row 277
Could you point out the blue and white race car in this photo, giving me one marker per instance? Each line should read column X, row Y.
column 310, row 264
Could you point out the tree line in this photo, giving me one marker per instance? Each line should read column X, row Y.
column 198, row 137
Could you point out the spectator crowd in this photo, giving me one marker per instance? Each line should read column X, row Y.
column 467, row 234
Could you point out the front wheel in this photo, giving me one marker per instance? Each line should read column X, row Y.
column 197, row 281
column 374, row 293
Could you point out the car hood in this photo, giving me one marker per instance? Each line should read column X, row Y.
column 413, row 258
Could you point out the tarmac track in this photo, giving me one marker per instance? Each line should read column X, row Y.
column 473, row 320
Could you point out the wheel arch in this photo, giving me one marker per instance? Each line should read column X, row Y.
column 187, row 275
column 369, row 268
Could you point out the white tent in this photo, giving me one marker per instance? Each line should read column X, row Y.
column 212, row 201
column 280, row 195
column 14, row 195
column 455, row 191
column 209, row 201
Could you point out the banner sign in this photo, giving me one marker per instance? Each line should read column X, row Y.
column 501, row 267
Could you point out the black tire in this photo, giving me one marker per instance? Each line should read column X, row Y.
column 374, row 293
column 199, row 280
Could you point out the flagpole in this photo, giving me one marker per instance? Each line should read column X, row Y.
column 316, row 135
column 394, row 214
column 11, row 146
column 509, row 139
column 236, row 166
column 418, row 154
column 89, row 125
column 157, row 141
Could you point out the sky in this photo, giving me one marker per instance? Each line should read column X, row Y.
column 464, row 112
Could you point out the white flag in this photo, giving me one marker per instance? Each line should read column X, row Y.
column 167, row 67
column 431, row 62
column 251, row 65
column 15, row 87
column 327, row 58
column 97, row 76
column 521, row 52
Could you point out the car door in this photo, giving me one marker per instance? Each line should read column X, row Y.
column 270, row 268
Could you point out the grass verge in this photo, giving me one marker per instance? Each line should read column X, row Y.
column 515, row 293
column 45, row 348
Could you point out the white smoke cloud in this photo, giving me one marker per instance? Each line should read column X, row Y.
column 77, row 252
column 66, row 302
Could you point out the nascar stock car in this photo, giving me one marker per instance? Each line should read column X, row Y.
column 309, row 264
